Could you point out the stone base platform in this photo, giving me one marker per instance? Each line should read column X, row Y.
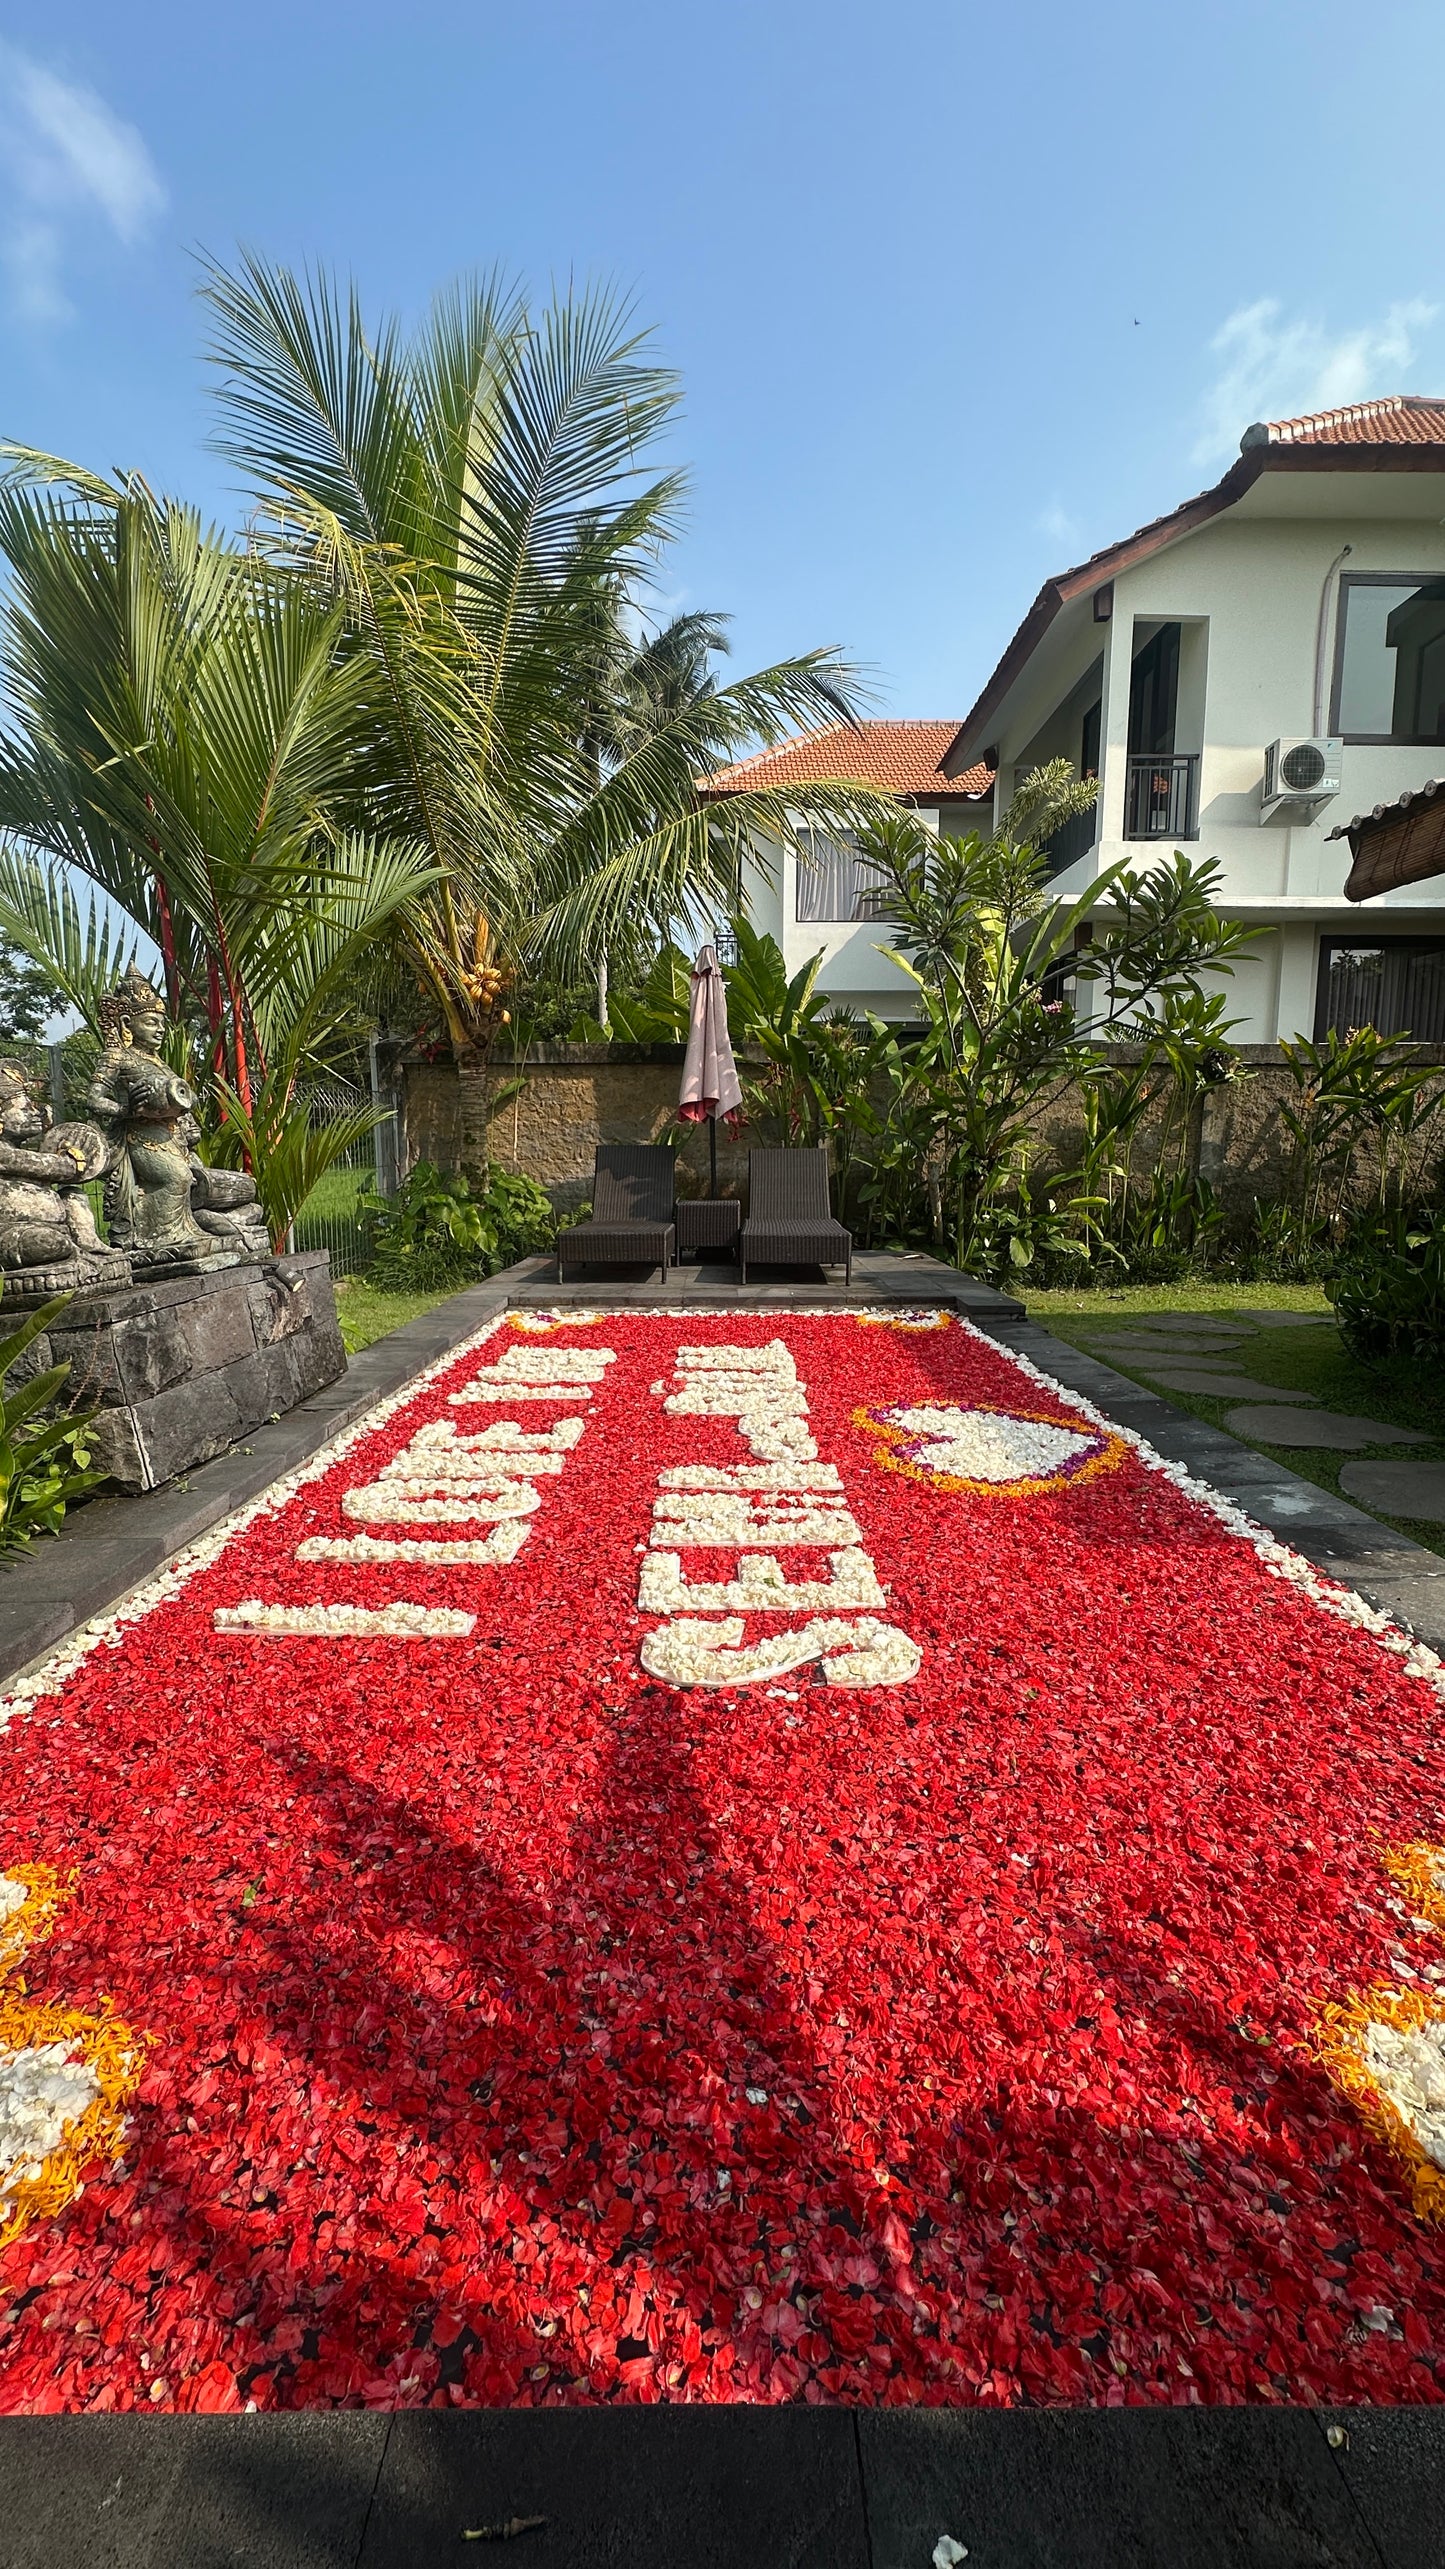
column 183, row 1366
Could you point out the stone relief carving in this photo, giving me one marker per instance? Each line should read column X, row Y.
column 167, row 1211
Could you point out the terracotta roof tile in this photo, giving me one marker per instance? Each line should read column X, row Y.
column 1395, row 419
column 903, row 758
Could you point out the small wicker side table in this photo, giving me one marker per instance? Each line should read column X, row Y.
column 708, row 1222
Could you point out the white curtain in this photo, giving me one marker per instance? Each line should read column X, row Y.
column 836, row 884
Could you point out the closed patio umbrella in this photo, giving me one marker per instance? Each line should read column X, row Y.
column 710, row 1083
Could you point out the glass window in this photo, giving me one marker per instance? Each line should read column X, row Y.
column 1396, row 985
column 1390, row 660
column 838, row 884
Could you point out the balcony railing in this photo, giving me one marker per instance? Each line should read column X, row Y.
column 1161, row 798
column 1072, row 839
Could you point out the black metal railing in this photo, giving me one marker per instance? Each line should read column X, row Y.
column 1161, row 797
column 1072, row 839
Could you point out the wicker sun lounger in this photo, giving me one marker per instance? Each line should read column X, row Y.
column 632, row 1212
column 790, row 1223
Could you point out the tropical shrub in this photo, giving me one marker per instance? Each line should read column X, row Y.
column 44, row 1463
column 1389, row 1286
column 289, row 1151
column 990, row 954
column 1360, row 1090
column 442, row 1229
column 1156, row 1220
column 654, row 1010
column 817, row 1058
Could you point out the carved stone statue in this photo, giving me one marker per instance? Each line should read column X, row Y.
column 48, row 1240
column 224, row 1201
column 145, row 1110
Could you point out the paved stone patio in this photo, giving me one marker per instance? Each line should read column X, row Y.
column 730, row 2488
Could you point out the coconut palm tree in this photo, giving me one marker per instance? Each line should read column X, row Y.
column 180, row 723
column 477, row 500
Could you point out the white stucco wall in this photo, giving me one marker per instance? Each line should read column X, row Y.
column 1246, row 589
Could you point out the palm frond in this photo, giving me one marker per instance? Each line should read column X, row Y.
column 290, row 1155
column 310, row 396
column 40, row 914
column 358, row 887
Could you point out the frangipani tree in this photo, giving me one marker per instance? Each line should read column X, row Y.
column 988, row 949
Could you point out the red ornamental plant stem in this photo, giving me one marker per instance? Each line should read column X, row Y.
column 513, row 2027
column 168, row 940
column 215, row 1021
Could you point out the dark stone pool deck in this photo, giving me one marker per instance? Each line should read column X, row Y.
column 729, row 2488
column 717, row 2488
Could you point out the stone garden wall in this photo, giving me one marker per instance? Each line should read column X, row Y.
column 1239, row 1142
column 578, row 1095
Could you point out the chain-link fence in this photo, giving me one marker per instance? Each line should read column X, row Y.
column 332, row 1218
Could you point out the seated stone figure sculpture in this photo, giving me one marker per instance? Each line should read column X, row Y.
column 224, row 1201
column 146, row 1112
column 48, row 1240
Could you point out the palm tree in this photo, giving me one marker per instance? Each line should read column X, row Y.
column 475, row 498
column 647, row 679
column 181, row 725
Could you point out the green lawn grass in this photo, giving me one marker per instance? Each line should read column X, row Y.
column 336, row 1194
column 1401, row 1394
column 1115, row 1302
column 367, row 1315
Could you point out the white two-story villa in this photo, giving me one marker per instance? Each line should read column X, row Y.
column 1242, row 675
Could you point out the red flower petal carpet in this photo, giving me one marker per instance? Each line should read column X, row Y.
column 746, row 1857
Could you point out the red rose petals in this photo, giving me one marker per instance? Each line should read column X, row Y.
column 526, row 2030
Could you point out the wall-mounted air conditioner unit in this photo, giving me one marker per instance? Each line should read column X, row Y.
column 1299, row 771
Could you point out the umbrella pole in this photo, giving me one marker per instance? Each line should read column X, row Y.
column 712, row 1154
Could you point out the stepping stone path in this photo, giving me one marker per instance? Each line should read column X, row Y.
column 1221, row 1385
column 1398, row 1489
column 1292, row 1319
column 1318, row 1427
column 1171, row 1350
column 1188, row 1324
column 1272, row 1415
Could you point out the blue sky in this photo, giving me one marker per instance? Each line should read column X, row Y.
column 957, row 293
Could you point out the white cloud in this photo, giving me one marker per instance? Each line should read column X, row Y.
column 1271, row 367
column 64, row 160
